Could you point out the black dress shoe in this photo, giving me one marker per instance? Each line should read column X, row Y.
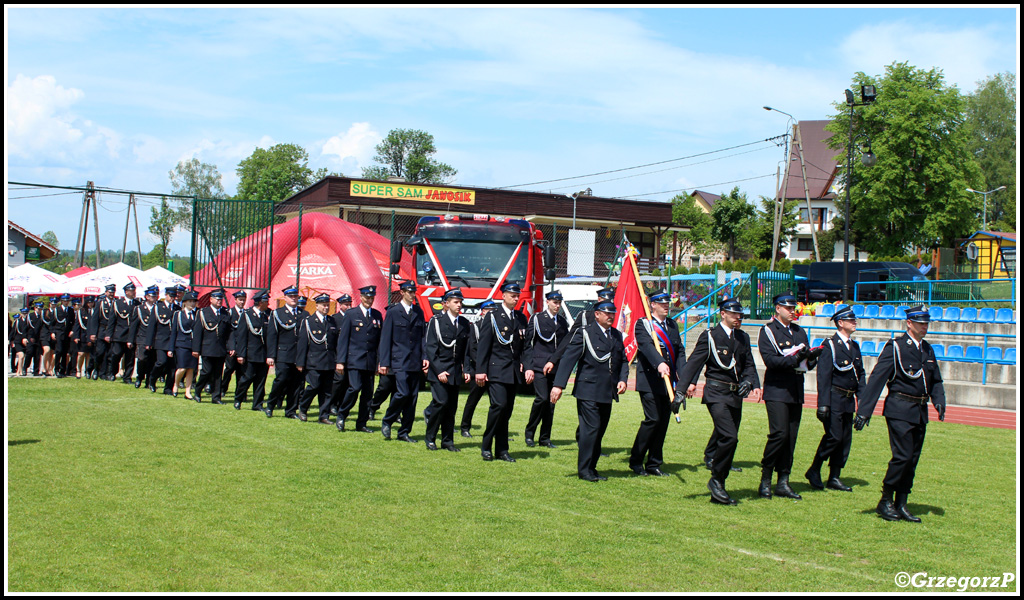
column 548, row 445
column 450, row 447
column 588, row 478
column 95, row 375
column 639, row 471
column 707, row 464
column 530, row 443
column 887, row 510
column 268, row 412
column 301, row 416
column 901, row 509
column 385, row 430
column 373, row 415
column 814, row 478
column 215, row 401
column 505, row 457
column 291, row 416
column 466, row 433
column 238, row 406
column 364, row 429
column 835, row 484
column 151, row 388
column 764, row 490
column 170, row 393
column 782, row 489
column 718, row 493
column 600, row 477
column 431, row 446
column 658, row 472
column 341, row 424
column 138, row 384
column 325, row 421
column 402, row 437
column 486, row 454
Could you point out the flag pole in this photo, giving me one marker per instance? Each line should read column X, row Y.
column 647, row 314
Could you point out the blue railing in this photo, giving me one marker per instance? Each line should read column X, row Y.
column 683, row 316
column 933, row 292
column 983, row 359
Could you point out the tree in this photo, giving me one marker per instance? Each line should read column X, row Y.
column 162, row 224
column 915, row 196
column 731, row 215
column 756, row 237
column 51, row 238
column 275, row 173
column 407, row 153
column 197, row 179
column 992, row 139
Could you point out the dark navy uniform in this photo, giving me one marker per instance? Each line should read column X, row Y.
column 181, row 339
column 783, row 399
column 600, row 359
column 118, row 330
column 64, row 319
column 318, row 340
column 544, row 333
column 401, row 351
column 159, row 340
column 101, row 315
column 652, row 336
column 138, row 333
column 210, row 339
column 475, row 391
column 358, row 342
column 499, row 356
column 912, row 375
column 446, row 345
column 339, row 384
column 231, row 366
column 840, row 381
column 251, row 353
column 282, row 342
column 34, row 351
column 80, row 332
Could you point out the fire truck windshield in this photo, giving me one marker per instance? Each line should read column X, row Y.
column 471, row 254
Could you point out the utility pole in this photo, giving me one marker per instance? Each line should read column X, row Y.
column 132, row 204
column 88, row 199
column 807, row 193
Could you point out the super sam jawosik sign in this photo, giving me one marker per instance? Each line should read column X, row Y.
column 423, row 193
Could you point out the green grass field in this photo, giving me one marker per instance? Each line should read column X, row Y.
column 116, row 489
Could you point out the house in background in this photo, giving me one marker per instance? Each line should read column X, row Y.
column 24, row 246
column 705, row 200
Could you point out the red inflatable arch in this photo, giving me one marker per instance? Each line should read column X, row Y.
column 338, row 257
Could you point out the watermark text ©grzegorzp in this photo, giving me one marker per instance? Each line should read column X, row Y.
column 960, row 584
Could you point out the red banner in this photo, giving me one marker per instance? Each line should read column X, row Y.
column 630, row 304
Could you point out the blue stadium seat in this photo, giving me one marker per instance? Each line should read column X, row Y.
column 1004, row 315
column 935, row 313
column 993, row 355
column 968, row 315
column 974, row 353
column 952, row 313
column 871, row 312
column 815, row 342
column 955, row 352
column 1010, row 356
column 858, row 310
column 987, row 315
column 827, row 311
column 888, row 311
column 940, row 350
column 867, row 348
column 901, row 314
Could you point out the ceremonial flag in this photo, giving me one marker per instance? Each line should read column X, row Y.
column 630, row 303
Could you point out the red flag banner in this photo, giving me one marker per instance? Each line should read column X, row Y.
column 630, row 304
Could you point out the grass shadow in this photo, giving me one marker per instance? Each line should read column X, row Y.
column 22, row 442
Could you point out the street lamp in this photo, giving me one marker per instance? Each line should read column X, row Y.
column 867, row 95
column 984, row 207
column 586, row 192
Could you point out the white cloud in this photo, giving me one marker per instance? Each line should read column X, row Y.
column 43, row 128
column 354, row 149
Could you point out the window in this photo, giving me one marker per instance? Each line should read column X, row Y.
column 804, row 245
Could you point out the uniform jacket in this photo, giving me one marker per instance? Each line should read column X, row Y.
column 65, row 320
column 182, row 326
column 401, row 339
column 782, row 382
column 120, row 321
column 282, row 334
column 234, row 314
column 586, row 317
column 602, row 364
column 318, row 341
column 839, row 367
column 543, row 335
column 649, row 359
column 46, row 326
column 141, row 321
column 22, row 329
column 906, row 370
column 500, row 351
column 80, row 328
column 35, row 326
column 250, row 342
column 101, row 314
column 732, row 363
column 359, row 339
column 211, row 331
column 447, row 344
column 159, row 335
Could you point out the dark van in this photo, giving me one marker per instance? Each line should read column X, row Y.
column 825, row 280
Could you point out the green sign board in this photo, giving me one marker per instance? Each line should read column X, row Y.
column 32, row 253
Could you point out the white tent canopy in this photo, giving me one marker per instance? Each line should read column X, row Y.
column 30, row 279
column 165, row 278
column 119, row 274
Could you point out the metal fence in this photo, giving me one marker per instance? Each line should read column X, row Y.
column 221, row 231
column 958, row 291
column 765, row 285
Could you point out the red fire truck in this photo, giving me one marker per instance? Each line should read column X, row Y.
column 478, row 254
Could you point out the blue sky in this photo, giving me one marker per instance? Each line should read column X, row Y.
column 511, row 95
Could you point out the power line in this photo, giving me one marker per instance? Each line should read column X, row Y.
column 705, row 185
column 42, row 195
column 662, row 162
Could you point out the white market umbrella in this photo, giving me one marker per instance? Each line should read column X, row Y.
column 30, row 279
column 119, row 274
column 164, row 278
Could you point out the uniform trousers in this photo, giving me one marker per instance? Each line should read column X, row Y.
column 440, row 413
column 163, row 366
column 385, row 389
column 727, row 425
column 211, row 373
column 117, row 351
column 905, row 440
column 256, row 377
column 360, row 387
column 475, row 393
column 403, row 403
column 318, row 384
column 650, row 438
column 834, row 446
column 593, row 419
column 783, row 426
column 542, row 412
column 287, row 384
column 503, row 399
column 231, row 367
column 145, row 359
column 339, row 385
column 100, row 350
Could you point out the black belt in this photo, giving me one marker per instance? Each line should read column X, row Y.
column 725, row 385
column 922, row 400
column 845, row 393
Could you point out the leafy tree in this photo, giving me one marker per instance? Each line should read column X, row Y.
column 407, row 153
column 275, row 173
column 756, row 237
column 194, row 178
column 915, row 196
column 51, row 238
column 731, row 215
column 162, row 224
column 992, row 139
column 685, row 212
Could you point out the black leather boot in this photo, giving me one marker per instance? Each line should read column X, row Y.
column 901, row 509
column 886, row 509
column 782, row 488
column 765, row 489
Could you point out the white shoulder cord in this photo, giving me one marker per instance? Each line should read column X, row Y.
column 80, row 323
column 283, row 326
column 714, row 352
column 501, row 340
column 61, row 321
column 202, row 318
column 918, row 375
column 771, row 338
column 118, row 313
column 180, row 328
column 158, row 319
column 440, row 338
column 309, row 332
column 538, row 334
column 837, row 367
column 248, row 324
column 590, row 348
